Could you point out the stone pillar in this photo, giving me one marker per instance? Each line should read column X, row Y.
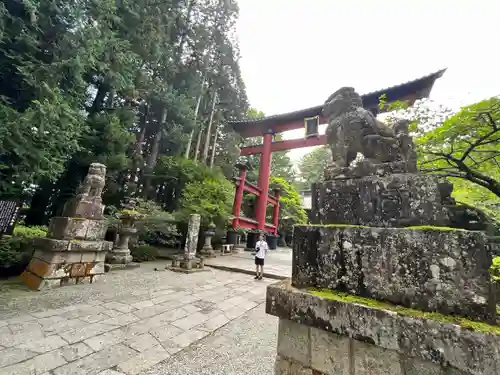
column 74, row 249
column 192, row 237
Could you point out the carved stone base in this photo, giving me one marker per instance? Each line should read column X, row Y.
column 119, row 256
column 396, row 200
column 208, row 252
column 73, row 253
column 433, row 270
column 183, row 265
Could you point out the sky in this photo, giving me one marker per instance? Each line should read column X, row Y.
column 295, row 53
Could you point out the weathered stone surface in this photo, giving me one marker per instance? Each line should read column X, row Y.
column 395, row 200
column 294, row 341
column 192, row 236
column 444, row 344
column 432, row 270
column 370, row 359
column 68, row 228
column 329, row 352
column 414, row 366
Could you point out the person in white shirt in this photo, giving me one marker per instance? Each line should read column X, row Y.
column 261, row 248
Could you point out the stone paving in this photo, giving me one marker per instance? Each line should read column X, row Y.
column 278, row 262
column 126, row 323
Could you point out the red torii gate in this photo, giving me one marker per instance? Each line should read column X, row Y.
column 309, row 118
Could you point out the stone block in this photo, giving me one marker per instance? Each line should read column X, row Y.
column 394, row 200
column 429, row 338
column 423, row 268
column 100, row 256
column 86, row 246
column 413, row 366
column 88, row 257
column 96, row 230
column 294, row 342
column 35, row 282
column 78, row 270
column 68, row 228
column 370, row 359
column 329, row 352
column 50, row 244
column 94, row 268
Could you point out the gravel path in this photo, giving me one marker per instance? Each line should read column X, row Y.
column 245, row 346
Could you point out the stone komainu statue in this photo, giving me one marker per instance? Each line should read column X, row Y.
column 352, row 129
column 94, row 182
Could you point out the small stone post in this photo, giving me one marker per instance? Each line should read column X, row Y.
column 187, row 262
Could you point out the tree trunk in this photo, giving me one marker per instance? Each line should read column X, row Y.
column 190, row 140
column 209, row 129
column 138, row 150
column 214, row 145
column 153, row 156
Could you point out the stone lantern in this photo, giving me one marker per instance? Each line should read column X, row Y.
column 207, row 249
column 128, row 217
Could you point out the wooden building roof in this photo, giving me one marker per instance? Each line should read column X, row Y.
column 411, row 90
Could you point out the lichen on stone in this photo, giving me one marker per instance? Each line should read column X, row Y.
column 404, row 311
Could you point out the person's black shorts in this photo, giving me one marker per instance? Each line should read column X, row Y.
column 259, row 261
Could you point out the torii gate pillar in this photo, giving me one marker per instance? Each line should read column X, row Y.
column 264, row 175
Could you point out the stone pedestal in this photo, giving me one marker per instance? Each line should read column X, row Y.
column 187, row 262
column 333, row 333
column 74, row 250
column 120, row 254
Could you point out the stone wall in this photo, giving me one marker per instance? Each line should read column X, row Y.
column 428, row 268
column 331, row 337
column 307, row 350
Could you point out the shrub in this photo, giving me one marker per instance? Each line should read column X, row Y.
column 15, row 253
column 16, row 250
column 30, row 232
column 143, row 253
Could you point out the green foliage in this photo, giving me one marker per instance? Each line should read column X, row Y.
column 466, row 146
column 143, row 253
column 211, row 198
column 312, row 166
column 16, row 250
column 291, row 211
column 30, row 232
column 495, row 270
column 156, row 227
column 394, row 106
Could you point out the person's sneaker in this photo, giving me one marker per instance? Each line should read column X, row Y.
column 256, row 277
column 260, row 277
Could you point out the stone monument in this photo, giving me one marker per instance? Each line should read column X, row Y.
column 382, row 282
column 187, row 262
column 74, row 249
column 207, row 250
column 119, row 256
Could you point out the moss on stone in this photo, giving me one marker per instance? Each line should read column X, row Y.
column 405, row 311
column 429, row 228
